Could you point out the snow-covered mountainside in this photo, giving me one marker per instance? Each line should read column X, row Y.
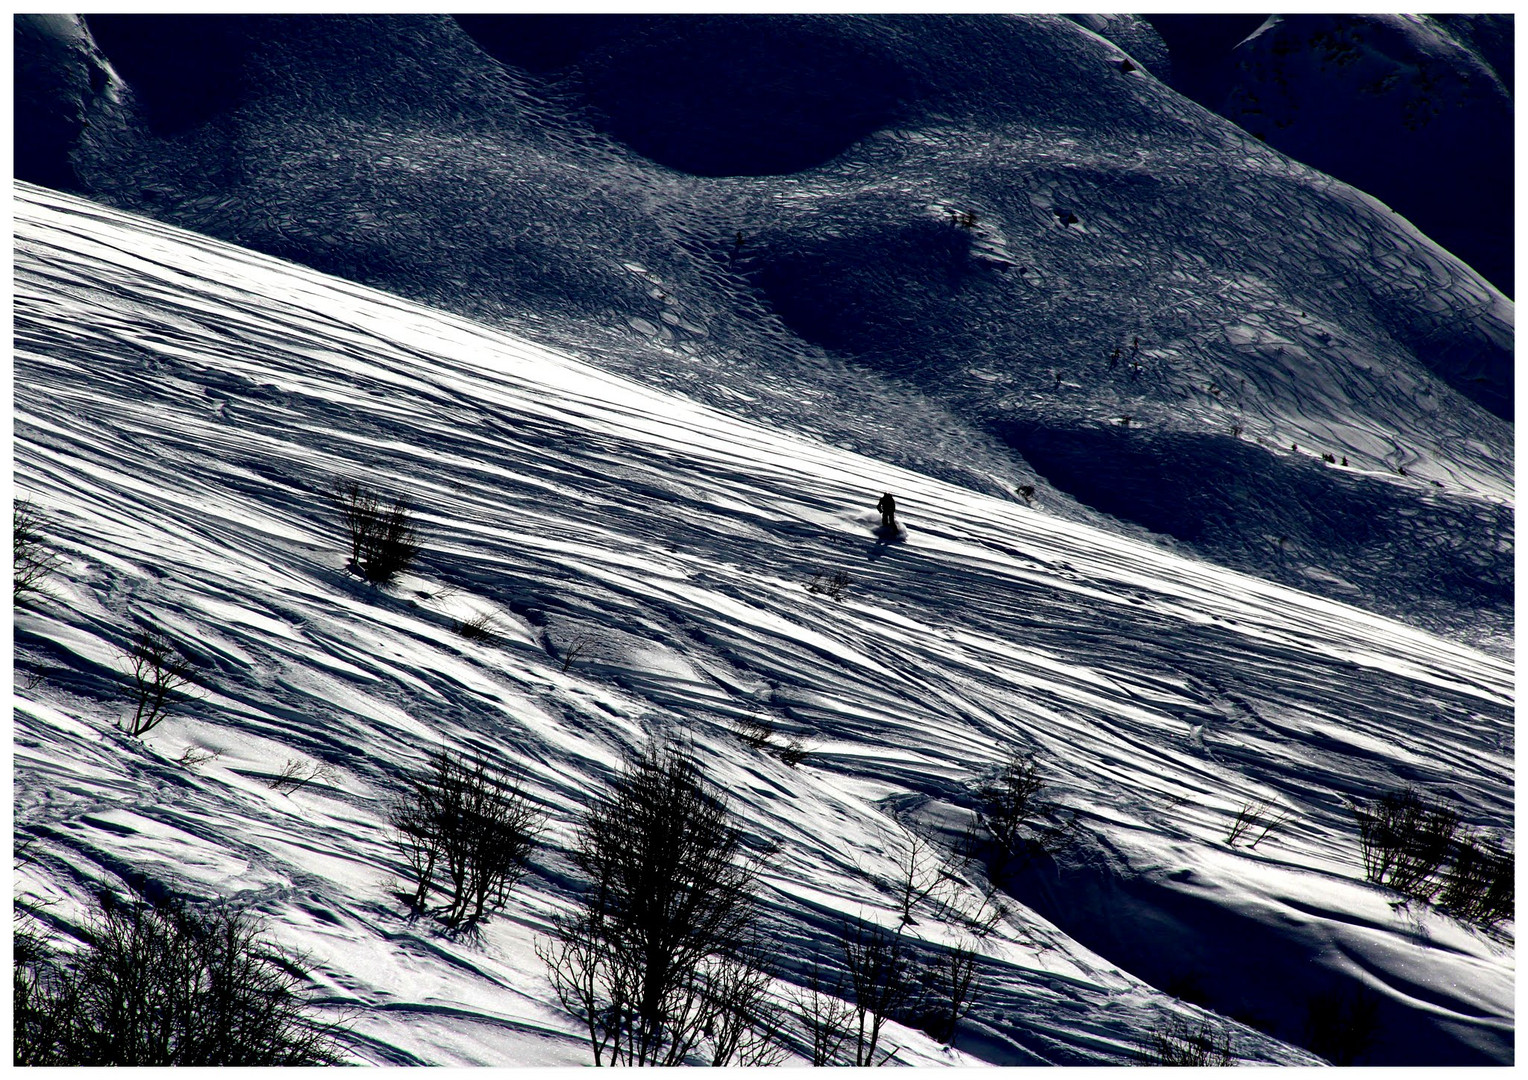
column 183, row 407
column 996, row 250
column 1414, row 109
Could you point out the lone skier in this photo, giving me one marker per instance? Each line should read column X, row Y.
column 888, row 508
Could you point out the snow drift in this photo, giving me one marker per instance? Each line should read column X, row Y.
column 986, row 248
column 182, row 408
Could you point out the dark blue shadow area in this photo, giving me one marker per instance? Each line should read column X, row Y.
column 1272, row 975
column 1243, row 501
column 185, row 68
column 872, row 287
column 717, row 96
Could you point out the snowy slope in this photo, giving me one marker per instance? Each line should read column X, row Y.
column 997, row 250
column 1414, row 109
column 181, row 408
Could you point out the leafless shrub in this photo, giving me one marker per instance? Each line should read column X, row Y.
column 794, row 752
column 471, row 824
column 825, row 1015
column 194, row 757
column 32, row 561
column 881, row 978
column 754, row 731
column 1178, row 1042
column 918, row 873
column 297, row 773
column 744, row 1023
column 1014, row 813
column 576, row 648
column 1261, row 817
column 950, row 982
column 653, row 959
column 481, row 627
column 156, row 986
column 383, row 540
column 1480, row 886
column 982, row 919
column 159, row 673
column 1405, row 840
column 833, row 585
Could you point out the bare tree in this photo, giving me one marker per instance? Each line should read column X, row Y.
column 745, row 1024
column 918, row 873
column 653, row 957
column 950, row 981
column 881, row 977
column 158, row 671
column 32, row 561
column 825, row 1015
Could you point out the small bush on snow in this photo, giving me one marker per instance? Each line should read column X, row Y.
column 833, row 585
column 1420, row 849
column 1015, row 814
column 1177, row 1041
column 655, row 960
column 467, row 828
column 1479, row 886
column 383, row 539
column 481, row 627
column 1405, row 840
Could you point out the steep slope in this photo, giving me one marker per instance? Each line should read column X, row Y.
column 983, row 247
column 183, row 406
column 1414, row 109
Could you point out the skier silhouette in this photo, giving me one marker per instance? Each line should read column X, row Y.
column 888, row 508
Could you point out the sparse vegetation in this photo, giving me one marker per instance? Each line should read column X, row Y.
column 882, row 982
column 1405, row 840
column 833, row 585
column 1479, row 886
column 32, row 561
column 950, row 982
column 481, row 627
column 757, row 733
column 471, row 826
column 654, row 958
column 159, row 675
column 825, row 1015
column 754, row 731
column 1015, row 814
column 194, row 757
column 156, row 986
column 794, row 752
column 1419, row 848
column 383, row 539
column 918, row 874
column 1179, row 1042
column 297, row 773
column 576, row 648
column 1256, row 820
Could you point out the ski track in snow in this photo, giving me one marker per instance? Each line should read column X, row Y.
column 183, row 406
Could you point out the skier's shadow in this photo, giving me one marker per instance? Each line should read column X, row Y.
column 885, row 537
